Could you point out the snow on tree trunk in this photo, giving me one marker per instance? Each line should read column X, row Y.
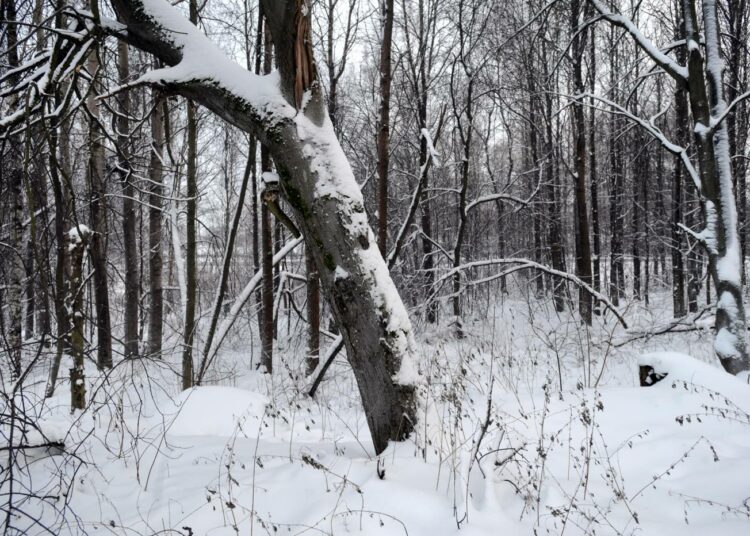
column 720, row 210
column 702, row 77
column 315, row 178
column 78, row 240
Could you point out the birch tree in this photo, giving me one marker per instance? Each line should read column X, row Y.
column 702, row 79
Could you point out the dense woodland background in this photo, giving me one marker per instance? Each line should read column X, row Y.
column 523, row 151
column 493, row 110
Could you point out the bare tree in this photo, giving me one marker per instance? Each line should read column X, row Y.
column 702, row 79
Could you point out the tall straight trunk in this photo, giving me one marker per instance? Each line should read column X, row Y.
column 267, row 327
column 646, row 225
column 583, row 239
column 660, row 209
column 428, row 248
column 267, row 288
column 98, row 240
column 466, row 132
column 384, row 122
column 738, row 13
column 56, row 133
column 550, row 187
column 254, row 186
column 555, row 240
column 61, row 247
column 14, row 259
column 36, row 194
column 636, row 232
column 155, row 253
column 538, row 204
column 129, row 215
column 593, row 178
column 682, row 119
column 616, row 216
column 13, row 158
column 191, row 250
column 191, row 253
column 706, row 94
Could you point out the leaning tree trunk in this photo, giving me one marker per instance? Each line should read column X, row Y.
column 287, row 113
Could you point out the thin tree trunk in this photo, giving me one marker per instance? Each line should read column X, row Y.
column 737, row 122
column 383, row 133
column 98, row 240
column 61, row 215
column 679, row 306
column 267, row 331
column 226, row 265
column 583, row 240
column 129, row 219
column 593, row 178
column 155, row 253
column 616, row 217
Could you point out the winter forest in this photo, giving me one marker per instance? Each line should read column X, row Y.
column 382, row 267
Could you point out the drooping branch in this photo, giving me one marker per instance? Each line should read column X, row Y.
column 517, row 264
column 670, row 66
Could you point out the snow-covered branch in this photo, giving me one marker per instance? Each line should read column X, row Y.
column 670, row 66
column 650, row 128
column 526, row 264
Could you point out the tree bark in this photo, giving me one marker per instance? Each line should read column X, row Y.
column 155, row 253
column 594, row 179
column 129, row 215
column 78, row 241
column 583, row 239
column 325, row 198
column 313, row 314
column 98, row 239
column 384, row 125
column 267, row 325
column 616, row 216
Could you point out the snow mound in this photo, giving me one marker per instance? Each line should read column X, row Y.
column 679, row 366
column 216, row 411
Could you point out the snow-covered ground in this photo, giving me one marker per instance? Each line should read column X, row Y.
column 501, row 448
